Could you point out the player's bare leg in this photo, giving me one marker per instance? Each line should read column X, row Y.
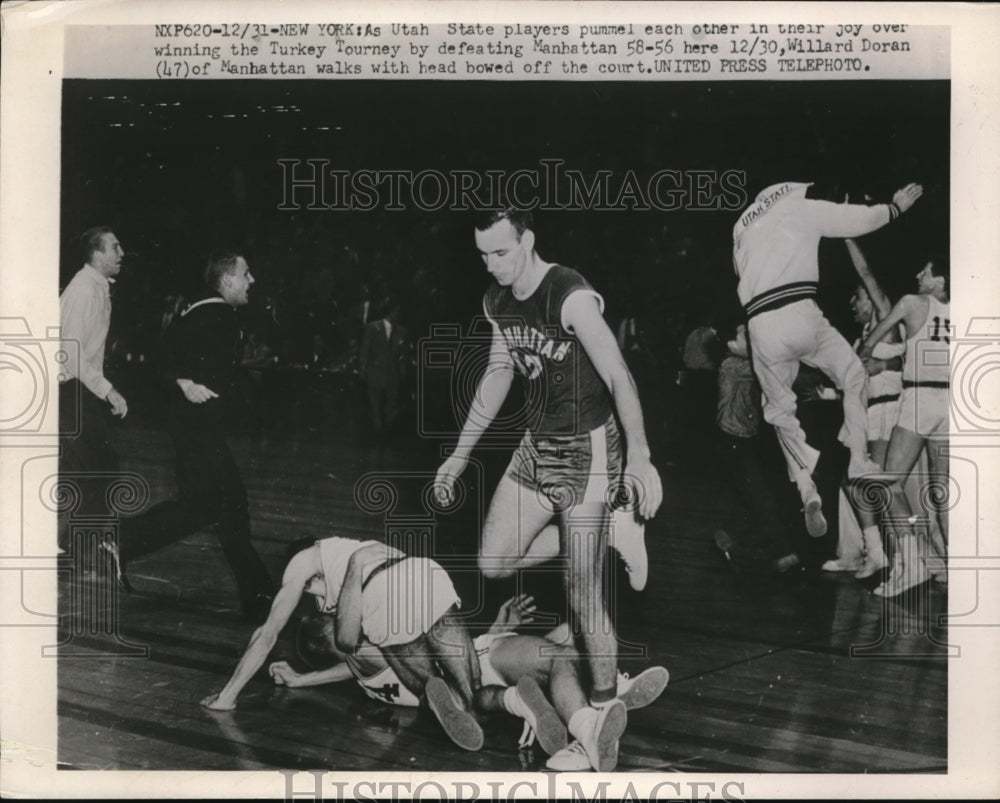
column 596, row 731
column 908, row 568
column 452, row 648
column 515, row 533
column 536, row 663
column 584, row 531
column 937, row 466
column 413, row 664
column 874, row 555
column 867, row 557
column 523, row 664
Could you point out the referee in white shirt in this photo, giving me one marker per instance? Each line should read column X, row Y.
column 84, row 317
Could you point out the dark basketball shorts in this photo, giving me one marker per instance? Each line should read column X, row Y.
column 568, row 470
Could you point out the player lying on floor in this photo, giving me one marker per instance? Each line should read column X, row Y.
column 515, row 670
column 406, row 607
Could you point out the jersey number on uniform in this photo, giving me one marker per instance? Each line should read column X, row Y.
column 388, row 692
column 529, row 365
column 941, row 329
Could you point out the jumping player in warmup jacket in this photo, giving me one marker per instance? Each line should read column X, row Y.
column 775, row 250
column 923, row 418
column 515, row 668
column 548, row 326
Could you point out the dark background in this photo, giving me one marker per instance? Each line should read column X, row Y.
column 179, row 168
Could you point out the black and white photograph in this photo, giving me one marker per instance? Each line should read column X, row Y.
column 548, row 401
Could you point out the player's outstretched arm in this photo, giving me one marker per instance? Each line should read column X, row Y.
column 284, row 675
column 296, row 576
column 490, row 395
column 879, row 299
column 582, row 316
column 853, row 220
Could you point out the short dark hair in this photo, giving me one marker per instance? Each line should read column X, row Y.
column 520, row 219
column 315, row 641
column 219, row 264
column 941, row 266
column 93, row 240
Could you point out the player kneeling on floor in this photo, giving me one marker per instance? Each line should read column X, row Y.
column 378, row 595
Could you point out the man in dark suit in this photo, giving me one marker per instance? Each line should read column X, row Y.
column 384, row 356
column 207, row 393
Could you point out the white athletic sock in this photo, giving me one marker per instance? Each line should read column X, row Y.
column 513, row 704
column 581, row 724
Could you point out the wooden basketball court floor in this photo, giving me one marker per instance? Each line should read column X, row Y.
column 807, row 675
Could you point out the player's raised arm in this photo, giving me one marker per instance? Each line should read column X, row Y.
column 293, row 583
column 853, row 220
column 489, row 398
column 582, row 316
column 516, row 611
column 875, row 292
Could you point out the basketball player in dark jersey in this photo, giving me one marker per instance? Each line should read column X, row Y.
column 548, row 327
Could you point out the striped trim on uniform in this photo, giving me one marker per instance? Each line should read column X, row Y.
column 882, row 399
column 389, row 562
column 780, row 297
column 597, row 479
column 908, row 383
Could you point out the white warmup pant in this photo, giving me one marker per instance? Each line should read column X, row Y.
column 780, row 340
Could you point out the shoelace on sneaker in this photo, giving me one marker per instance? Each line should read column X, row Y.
column 573, row 754
column 527, row 738
column 574, row 748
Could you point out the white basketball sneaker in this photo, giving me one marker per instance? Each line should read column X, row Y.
column 599, row 731
column 628, row 537
column 572, row 758
column 644, row 688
